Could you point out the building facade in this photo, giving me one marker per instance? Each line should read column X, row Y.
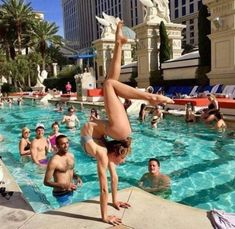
column 80, row 25
column 186, row 12
column 78, row 17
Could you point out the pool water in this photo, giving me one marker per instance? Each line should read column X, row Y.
column 199, row 160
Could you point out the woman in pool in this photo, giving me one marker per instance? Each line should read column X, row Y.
column 208, row 114
column 157, row 116
column 110, row 154
column 142, row 112
column 94, row 115
column 51, row 138
column 24, row 144
column 190, row 115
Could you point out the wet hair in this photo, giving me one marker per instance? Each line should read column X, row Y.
column 121, row 147
column 55, row 123
column 156, row 160
column 95, row 111
column 211, row 96
column 142, row 106
column 70, row 109
column 25, row 129
column 59, row 137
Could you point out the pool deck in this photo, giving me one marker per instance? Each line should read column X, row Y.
column 147, row 212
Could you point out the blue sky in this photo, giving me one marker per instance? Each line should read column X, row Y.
column 52, row 11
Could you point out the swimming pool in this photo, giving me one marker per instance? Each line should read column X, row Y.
column 199, row 160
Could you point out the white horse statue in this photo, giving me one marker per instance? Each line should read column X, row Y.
column 108, row 25
column 156, row 10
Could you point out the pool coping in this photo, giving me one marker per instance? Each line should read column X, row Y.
column 147, row 211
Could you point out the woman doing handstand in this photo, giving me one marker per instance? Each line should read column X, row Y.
column 109, row 154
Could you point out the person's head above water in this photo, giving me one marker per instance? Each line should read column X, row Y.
column 154, row 166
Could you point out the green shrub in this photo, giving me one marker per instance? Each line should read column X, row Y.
column 7, row 88
column 133, row 77
column 59, row 83
column 155, row 78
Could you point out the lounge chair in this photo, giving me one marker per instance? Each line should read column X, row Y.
column 186, row 90
column 228, row 91
column 194, row 91
column 216, row 89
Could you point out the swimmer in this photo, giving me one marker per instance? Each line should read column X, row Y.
column 51, row 138
column 157, row 116
column 154, row 181
column 71, row 120
column 60, row 173
column 39, row 146
column 24, row 144
column 94, row 115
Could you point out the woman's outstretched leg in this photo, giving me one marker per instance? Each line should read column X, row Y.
column 115, row 66
column 113, row 106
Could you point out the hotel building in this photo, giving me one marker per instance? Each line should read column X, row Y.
column 186, row 12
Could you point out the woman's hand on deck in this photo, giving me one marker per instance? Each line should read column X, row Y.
column 120, row 204
column 112, row 219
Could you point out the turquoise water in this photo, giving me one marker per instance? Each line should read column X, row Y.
column 199, row 160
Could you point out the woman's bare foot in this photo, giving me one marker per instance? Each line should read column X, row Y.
column 156, row 99
column 120, row 38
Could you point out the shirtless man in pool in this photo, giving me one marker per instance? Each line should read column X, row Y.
column 39, row 146
column 60, row 173
column 71, row 119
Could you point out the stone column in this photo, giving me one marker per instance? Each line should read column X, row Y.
column 104, row 53
column 54, row 66
column 147, row 36
column 80, row 63
column 222, row 41
column 148, row 43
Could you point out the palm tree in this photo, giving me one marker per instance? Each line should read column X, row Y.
column 18, row 15
column 42, row 34
column 7, row 40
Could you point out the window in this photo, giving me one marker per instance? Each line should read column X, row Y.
column 176, row 13
column 191, row 21
column 183, row 2
column 183, row 11
column 191, row 8
column 176, row 3
column 191, row 27
column 192, row 34
column 199, row 5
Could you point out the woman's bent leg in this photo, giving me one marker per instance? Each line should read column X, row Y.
column 118, row 126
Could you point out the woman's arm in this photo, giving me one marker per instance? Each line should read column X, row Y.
column 114, row 186
column 22, row 145
column 114, row 181
column 102, row 164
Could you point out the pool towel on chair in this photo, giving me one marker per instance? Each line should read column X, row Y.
column 221, row 219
